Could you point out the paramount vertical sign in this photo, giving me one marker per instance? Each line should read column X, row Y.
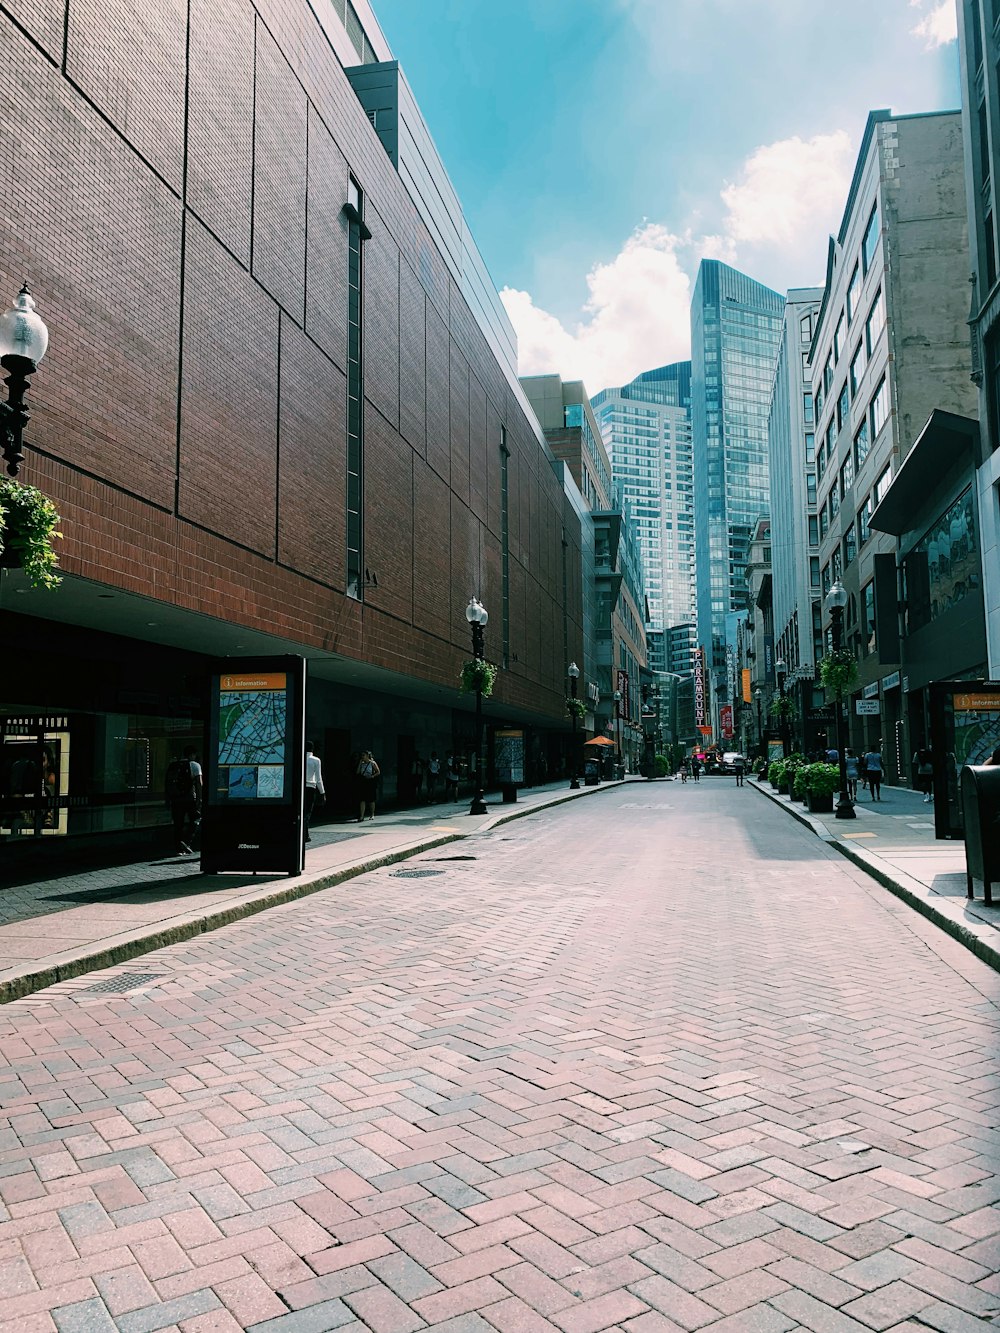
column 699, row 687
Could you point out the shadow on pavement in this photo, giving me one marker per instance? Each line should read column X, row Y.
column 150, row 890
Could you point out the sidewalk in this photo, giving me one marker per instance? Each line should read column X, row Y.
column 893, row 841
column 64, row 926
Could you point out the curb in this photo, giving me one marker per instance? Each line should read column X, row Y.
column 982, row 940
column 97, row 957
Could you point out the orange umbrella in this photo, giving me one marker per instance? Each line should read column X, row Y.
column 599, row 740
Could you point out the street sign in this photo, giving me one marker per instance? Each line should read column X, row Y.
column 868, row 707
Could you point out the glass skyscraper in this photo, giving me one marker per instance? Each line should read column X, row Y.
column 646, row 427
column 735, row 328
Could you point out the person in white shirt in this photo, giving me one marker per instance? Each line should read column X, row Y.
column 315, row 790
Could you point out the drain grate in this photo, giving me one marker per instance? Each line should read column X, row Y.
column 126, row 981
column 415, row 874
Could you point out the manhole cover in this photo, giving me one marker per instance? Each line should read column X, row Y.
column 415, row 874
column 127, row 981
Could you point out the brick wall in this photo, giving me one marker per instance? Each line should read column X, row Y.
column 173, row 183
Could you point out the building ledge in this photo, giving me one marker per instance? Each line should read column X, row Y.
column 946, row 439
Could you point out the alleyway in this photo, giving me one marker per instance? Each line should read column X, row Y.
column 655, row 1060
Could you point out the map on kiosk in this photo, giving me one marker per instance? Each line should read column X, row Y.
column 253, row 713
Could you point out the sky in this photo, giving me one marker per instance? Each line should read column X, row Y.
column 602, row 148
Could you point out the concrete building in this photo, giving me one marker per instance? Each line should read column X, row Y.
column 795, row 563
column 618, row 655
column 890, row 347
column 646, row 427
column 277, row 414
column 979, row 51
column 735, row 326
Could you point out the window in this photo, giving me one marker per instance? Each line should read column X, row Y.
column 991, row 350
column 831, row 442
column 357, row 234
column 826, row 579
column 821, row 457
column 875, row 322
column 843, row 407
column 813, row 530
column 853, row 292
column 861, row 444
column 868, row 618
column 991, row 249
column 847, row 475
column 824, row 523
column 819, row 400
column 505, row 546
column 838, row 339
column 943, row 567
column 810, row 447
column 864, row 514
column 882, row 485
column 810, row 488
column 850, row 546
column 814, row 571
column 807, row 408
column 836, row 564
column 806, row 328
column 879, row 407
column 857, row 367
column 834, row 500
column 828, row 373
column 870, row 242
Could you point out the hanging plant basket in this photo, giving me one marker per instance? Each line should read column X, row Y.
column 28, row 524
column 838, row 671
column 576, row 708
column 783, row 708
column 478, row 676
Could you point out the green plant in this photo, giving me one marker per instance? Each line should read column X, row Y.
column 838, row 670
column 783, row 706
column 576, row 708
column 823, row 779
column 662, row 766
column 28, row 523
column 801, row 784
column 478, row 675
column 776, row 772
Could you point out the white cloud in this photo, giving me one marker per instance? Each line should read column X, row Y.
column 774, row 219
column 939, row 26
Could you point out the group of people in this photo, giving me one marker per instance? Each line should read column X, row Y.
column 866, row 770
column 366, row 776
column 430, row 773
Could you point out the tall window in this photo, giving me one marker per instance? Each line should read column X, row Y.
column 864, row 514
column 813, row 530
column 880, row 407
column 810, row 489
column 875, row 322
column 850, row 546
column 857, row 367
column 505, row 545
column 357, row 234
column 861, row 444
column 838, row 338
column 810, row 447
column 853, row 292
column 870, row 243
column 868, row 618
column 843, row 407
column 807, row 408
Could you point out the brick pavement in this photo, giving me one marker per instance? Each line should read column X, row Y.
column 660, row 1061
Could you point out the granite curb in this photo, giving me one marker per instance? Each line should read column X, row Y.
column 120, row 949
column 980, row 938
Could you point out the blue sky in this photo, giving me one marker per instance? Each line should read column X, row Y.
column 601, row 147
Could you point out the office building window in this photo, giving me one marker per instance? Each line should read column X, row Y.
column 505, row 547
column 831, row 441
column 826, row 579
column 850, row 546
column 834, row 500
column 870, row 243
column 807, row 408
column 810, row 488
column 824, row 523
column 819, row 400
column 821, row 457
column 943, row 567
column 853, row 292
column 838, row 339
column 882, row 485
column 828, row 374
column 847, row 475
column 991, row 249
column 992, row 355
column 861, row 444
column 875, row 322
column 864, row 514
column 813, row 530
column 810, row 447
column 814, row 571
column 857, row 367
column 868, row 618
column 843, row 407
column 357, row 233
column 879, row 407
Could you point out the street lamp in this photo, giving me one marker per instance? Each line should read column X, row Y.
column 836, row 600
column 23, row 340
column 757, row 694
column 618, row 729
column 477, row 616
column 780, row 671
column 573, row 671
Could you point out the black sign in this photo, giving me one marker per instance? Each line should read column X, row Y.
column 255, row 767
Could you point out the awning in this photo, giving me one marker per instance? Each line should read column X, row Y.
column 599, row 740
column 946, row 440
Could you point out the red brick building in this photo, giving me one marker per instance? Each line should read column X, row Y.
column 175, row 181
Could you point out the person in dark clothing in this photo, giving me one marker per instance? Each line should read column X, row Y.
column 184, row 791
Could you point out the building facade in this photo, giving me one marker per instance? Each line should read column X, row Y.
column 795, row 563
column 891, row 345
column 735, row 327
column 646, row 427
column 979, row 52
column 271, row 416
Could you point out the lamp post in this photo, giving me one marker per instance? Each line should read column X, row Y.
column 477, row 616
column 757, row 694
column 23, row 340
column 780, row 671
column 618, row 730
column 573, row 671
column 836, row 600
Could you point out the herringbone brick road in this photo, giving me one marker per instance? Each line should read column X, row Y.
column 653, row 1061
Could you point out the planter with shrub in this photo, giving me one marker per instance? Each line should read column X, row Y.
column 822, row 783
column 29, row 522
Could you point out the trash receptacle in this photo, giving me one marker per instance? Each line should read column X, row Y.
column 981, row 808
column 590, row 777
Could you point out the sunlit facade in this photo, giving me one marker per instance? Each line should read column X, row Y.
column 735, row 328
column 646, row 426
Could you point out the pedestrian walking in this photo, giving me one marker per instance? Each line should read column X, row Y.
column 873, row 772
column 685, row 767
column 696, row 769
column 315, row 791
column 416, row 776
column 433, row 776
column 923, row 764
column 739, row 768
column 368, row 775
column 184, row 791
column 852, row 767
column 451, row 776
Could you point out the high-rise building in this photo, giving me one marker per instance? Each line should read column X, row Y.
column 795, row 564
column 735, row 326
column 646, row 426
column 979, row 50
